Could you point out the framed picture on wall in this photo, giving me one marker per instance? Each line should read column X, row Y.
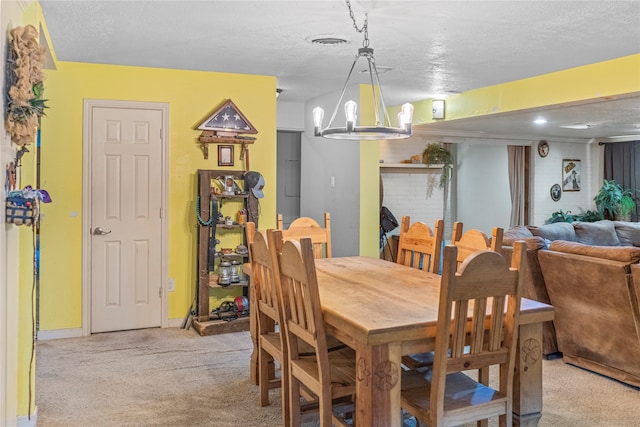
column 225, row 155
column 571, row 175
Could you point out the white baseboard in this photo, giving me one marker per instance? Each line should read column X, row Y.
column 77, row 332
column 59, row 333
column 175, row 323
column 26, row 420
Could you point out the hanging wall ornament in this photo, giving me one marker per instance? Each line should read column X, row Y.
column 25, row 88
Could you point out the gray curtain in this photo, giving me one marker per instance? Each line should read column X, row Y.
column 622, row 165
column 516, row 184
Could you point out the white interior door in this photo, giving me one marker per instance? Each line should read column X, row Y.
column 126, row 224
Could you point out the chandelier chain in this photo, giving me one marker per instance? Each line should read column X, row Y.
column 365, row 26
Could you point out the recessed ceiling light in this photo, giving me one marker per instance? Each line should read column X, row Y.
column 578, row 126
column 540, row 121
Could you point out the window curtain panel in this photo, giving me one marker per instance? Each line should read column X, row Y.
column 516, row 183
column 622, row 165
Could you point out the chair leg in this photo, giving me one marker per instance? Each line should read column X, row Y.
column 505, row 420
column 326, row 412
column 483, row 378
column 294, row 402
column 284, row 383
column 265, row 367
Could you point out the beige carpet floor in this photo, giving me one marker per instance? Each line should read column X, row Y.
column 174, row 377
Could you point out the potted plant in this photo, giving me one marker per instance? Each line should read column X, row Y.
column 610, row 197
column 626, row 207
column 436, row 154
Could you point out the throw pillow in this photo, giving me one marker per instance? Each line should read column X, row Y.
column 516, row 232
column 624, row 254
column 599, row 233
column 533, row 242
column 628, row 233
column 555, row 231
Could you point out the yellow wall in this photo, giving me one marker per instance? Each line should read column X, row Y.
column 192, row 96
column 616, row 77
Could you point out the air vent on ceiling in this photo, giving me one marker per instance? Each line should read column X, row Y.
column 326, row 40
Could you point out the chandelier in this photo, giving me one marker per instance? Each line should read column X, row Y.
column 382, row 128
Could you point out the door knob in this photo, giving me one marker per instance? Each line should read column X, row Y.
column 100, row 232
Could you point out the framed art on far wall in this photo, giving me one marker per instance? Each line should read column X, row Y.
column 225, row 155
column 571, row 175
column 556, row 192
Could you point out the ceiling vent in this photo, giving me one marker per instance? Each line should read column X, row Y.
column 327, row 40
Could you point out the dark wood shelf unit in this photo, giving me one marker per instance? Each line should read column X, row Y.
column 202, row 322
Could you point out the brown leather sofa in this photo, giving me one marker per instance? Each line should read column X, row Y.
column 589, row 272
column 596, row 306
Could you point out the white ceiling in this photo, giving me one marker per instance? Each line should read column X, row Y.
column 433, row 47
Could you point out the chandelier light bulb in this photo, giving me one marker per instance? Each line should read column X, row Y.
column 350, row 109
column 406, row 112
column 318, row 116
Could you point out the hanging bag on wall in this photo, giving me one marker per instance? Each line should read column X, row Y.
column 22, row 207
column 20, row 211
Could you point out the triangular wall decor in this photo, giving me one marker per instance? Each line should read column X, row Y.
column 224, row 127
column 228, row 120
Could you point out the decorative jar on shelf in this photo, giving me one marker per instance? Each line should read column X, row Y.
column 236, row 271
column 224, row 279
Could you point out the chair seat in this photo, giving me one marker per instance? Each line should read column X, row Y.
column 343, row 371
column 461, row 391
column 271, row 342
column 418, row 360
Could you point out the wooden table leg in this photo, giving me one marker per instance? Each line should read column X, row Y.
column 378, row 386
column 527, row 390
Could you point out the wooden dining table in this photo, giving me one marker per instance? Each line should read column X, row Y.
column 384, row 310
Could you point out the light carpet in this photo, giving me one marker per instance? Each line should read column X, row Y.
column 174, row 377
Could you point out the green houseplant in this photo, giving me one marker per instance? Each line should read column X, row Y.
column 609, row 198
column 626, row 207
column 436, row 154
column 560, row 216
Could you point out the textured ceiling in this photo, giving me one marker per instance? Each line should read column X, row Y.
column 433, row 47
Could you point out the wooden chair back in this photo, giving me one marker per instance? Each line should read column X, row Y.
column 466, row 339
column 308, row 227
column 303, row 323
column 473, row 240
column 250, row 230
column 418, row 246
column 271, row 343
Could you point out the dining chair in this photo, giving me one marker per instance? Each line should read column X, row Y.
column 326, row 375
column 467, row 340
column 309, row 227
column 474, row 240
column 420, row 247
column 469, row 242
column 271, row 344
